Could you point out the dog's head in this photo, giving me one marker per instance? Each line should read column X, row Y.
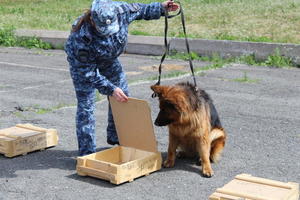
column 172, row 103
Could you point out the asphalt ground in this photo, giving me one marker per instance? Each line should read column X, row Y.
column 261, row 117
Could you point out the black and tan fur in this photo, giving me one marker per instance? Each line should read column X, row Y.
column 193, row 122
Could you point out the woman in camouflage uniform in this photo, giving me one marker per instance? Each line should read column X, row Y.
column 97, row 38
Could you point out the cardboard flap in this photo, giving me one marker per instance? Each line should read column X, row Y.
column 134, row 124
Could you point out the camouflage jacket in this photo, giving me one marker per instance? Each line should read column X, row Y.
column 93, row 58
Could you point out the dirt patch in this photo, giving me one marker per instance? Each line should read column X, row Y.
column 165, row 67
column 132, row 73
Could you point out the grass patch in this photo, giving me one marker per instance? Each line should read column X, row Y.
column 138, row 32
column 242, row 20
column 185, row 56
column 43, row 110
column 245, row 79
column 8, row 38
column 19, row 114
column 38, row 110
column 273, row 60
column 250, row 38
column 277, row 60
column 217, row 61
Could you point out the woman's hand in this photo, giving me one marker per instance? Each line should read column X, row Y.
column 119, row 95
column 170, row 5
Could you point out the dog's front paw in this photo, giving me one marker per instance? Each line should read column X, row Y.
column 169, row 163
column 207, row 172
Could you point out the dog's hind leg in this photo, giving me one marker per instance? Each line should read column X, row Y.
column 218, row 137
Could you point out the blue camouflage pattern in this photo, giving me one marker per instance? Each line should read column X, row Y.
column 104, row 15
column 94, row 64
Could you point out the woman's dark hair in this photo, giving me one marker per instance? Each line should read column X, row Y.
column 86, row 18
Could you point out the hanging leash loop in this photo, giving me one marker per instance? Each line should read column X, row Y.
column 187, row 46
column 167, row 45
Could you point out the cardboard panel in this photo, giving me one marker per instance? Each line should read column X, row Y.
column 134, row 124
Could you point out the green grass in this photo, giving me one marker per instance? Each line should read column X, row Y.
column 19, row 115
column 245, row 79
column 277, row 60
column 8, row 38
column 274, row 60
column 185, row 56
column 43, row 110
column 243, row 20
column 137, row 32
column 40, row 110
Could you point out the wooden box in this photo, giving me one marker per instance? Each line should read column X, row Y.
column 24, row 138
column 137, row 154
column 247, row 187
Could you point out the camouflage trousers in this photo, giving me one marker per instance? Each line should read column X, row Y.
column 85, row 117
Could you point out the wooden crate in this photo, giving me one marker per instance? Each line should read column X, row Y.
column 136, row 156
column 247, row 187
column 24, row 138
column 119, row 164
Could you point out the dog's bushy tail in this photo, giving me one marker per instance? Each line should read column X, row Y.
column 217, row 138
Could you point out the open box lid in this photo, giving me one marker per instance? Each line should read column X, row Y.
column 134, row 124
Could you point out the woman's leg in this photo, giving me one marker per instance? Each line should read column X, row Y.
column 85, row 119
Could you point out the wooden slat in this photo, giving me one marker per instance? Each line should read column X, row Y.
column 31, row 127
column 248, row 187
column 295, row 191
column 96, row 173
column 249, row 178
column 10, row 136
column 239, row 194
column 107, row 167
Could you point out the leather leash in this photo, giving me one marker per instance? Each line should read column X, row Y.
column 167, row 45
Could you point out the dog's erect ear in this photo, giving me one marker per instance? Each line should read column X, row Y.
column 158, row 89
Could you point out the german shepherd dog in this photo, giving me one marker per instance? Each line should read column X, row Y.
column 193, row 122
